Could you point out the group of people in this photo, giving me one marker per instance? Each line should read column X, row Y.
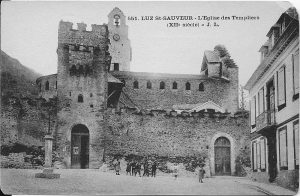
column 135, row 167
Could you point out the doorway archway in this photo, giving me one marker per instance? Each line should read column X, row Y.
column 222, row 156
column 80, row 147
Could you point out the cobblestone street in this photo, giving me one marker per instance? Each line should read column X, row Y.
column 19, row 181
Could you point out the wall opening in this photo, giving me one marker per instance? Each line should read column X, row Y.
column 80, row 147
column 222, row 156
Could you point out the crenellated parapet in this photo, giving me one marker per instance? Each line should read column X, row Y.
column 80, row 36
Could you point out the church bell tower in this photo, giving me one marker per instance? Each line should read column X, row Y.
column 119, row 49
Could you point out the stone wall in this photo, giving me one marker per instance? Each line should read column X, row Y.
column 83, row 60
column 160, row 134
column 220, row 91
column 41, row 84
column 26, row 120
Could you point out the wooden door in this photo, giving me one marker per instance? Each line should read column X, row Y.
column 222, row 156
column 79, row 147
column 76, row 149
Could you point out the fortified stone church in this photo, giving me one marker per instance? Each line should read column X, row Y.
column 103, row 109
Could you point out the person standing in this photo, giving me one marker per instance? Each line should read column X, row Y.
column 176, row 168
column 146, row 171
column 117, row 167
column 128, row 168
column 154, row 167
column 201, row 174
column 138, row 168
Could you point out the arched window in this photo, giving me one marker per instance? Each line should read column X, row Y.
column 149, row 85
column 117, row 21
column 80, row 98
column 135, row 84
column 187, row 86
column 161, row 85
column 174, row 85
column 47, row 86
column 201, row 87
column 40, row 87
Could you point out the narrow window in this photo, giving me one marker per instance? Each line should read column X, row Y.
column 135, row 84
column 80, row 98
column 187, row 86
column 70, row 94
column 47, row 86
column 261, row 102
column 91, row 94
column 258, row 155
column 296, row 143
column 116, row 66
column 91, row 105
column 201, row 87
column 296, row 74
column 281, row 87
column 40, row 87
column 55, row 84
column 149, row 85
column 254, row 163
column 253, row 115
column 174, row 85
column 263, row 154
column 283, row 148
column 161, row 85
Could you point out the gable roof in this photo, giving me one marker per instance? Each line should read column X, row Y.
column 211, row 56
column 207, row 105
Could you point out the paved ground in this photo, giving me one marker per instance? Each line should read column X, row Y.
column 95, row 182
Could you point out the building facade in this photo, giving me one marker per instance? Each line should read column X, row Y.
column 274, row 92
column 94, row 86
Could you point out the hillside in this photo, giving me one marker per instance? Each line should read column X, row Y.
column 16, row 79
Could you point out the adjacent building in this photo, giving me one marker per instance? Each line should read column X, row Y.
column 274, row 92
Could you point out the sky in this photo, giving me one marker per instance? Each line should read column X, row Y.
column 30, row 29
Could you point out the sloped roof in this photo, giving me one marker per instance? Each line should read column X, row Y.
column 116, row 10
column 199, row 106
column 208, row 105
column 112, row 79
column 211, row 56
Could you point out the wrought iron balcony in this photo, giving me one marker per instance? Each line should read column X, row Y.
column 265, row 120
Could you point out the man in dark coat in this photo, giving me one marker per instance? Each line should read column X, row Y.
column 128, row 168
column 154, row 167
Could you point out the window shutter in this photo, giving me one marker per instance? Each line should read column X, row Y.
column 283, row 149
column 281, row 86
column 253, row 111
column 296, row 72
column 296, row 140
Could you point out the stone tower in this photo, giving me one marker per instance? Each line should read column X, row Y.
column 83, row 60
column 120, row 48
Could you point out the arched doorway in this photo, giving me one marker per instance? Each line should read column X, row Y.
column 80, row 147
column 222, row 156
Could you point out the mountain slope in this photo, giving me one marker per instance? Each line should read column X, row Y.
column 16, row 79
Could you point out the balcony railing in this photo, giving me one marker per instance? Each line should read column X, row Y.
column 265, row 119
